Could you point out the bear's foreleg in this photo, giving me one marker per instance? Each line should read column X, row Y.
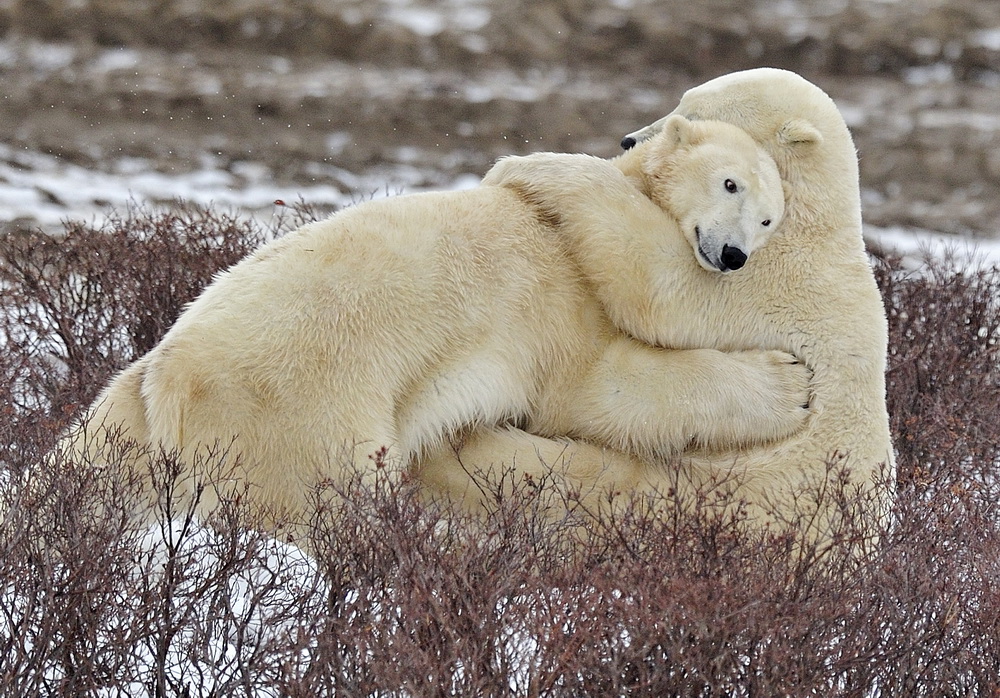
column 650, row 401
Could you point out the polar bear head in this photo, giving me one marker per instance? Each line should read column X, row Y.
column 800, row 127
column 724, row 190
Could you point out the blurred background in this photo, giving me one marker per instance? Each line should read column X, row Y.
column 239, row 103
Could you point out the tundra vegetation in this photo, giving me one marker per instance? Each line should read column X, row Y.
column 404, row 598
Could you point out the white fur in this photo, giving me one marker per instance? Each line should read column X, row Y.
column 397, row 323
column 809, row 292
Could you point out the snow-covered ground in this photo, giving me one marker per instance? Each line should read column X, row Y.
column 46, row 191
column 237, row 105
column 916, row 245
column 43, row 190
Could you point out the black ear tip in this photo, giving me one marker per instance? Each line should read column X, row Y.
column 628, row 142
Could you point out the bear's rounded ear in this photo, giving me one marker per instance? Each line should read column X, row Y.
column 677, row 131
column 795, row 131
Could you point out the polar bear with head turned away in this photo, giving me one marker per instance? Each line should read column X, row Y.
column 809, row 292
column 373, row 337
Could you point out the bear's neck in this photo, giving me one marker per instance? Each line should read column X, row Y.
column 630, row 163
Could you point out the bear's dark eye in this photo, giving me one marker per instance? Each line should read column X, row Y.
column 766, row 222
column 731, row 186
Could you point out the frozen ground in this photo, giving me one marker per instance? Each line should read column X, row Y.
column 243, row 103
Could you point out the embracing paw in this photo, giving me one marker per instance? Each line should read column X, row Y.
column 768, row 398
column 787, row 393
column 765, row 397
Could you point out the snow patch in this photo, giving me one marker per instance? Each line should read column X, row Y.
column 915, row 245
column 986, row 38
column 952, row 118
column 117, row 59
column 934, row 74
column 419, row 20
column 470, row 18
column 43, row 190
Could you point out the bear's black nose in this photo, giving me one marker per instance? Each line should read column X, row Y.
column 733, row 257
column 628, row 143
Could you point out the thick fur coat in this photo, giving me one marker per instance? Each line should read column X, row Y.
column 372, row 338
column 809, row 292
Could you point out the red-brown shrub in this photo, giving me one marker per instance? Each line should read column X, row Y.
column 402, row 598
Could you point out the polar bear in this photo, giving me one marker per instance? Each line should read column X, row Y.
column 369, row 338
column 809, row 292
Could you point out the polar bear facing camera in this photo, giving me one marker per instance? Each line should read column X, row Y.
column 809, row 292
column 375, row 335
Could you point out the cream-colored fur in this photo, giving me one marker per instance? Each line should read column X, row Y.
column 397, row 323
column 810, row 292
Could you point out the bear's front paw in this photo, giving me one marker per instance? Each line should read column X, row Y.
column 755, row 397
column 788, row 390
